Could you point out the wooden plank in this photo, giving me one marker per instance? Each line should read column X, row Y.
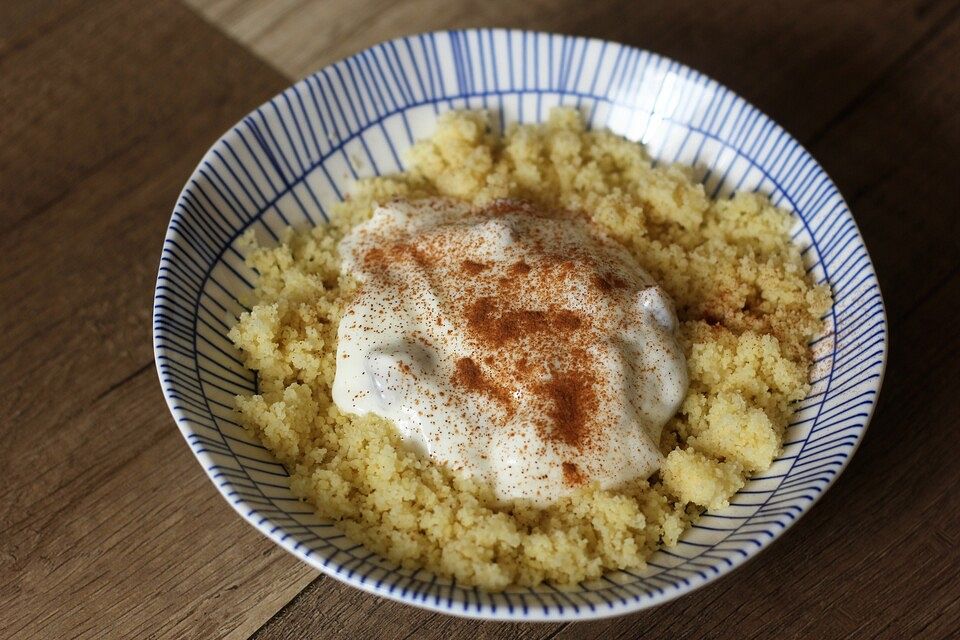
column 140, row 546
column 26, row 21
column 892, row 156
column 802, row 61
column 107, row 524
column 95, row 528
column 331, row 609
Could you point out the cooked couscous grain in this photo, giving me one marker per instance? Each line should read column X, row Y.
column 747, row 312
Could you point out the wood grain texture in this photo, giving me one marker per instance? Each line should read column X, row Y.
column 108, row 527
column 801, row 61
column 107, row 524
column 874, row 95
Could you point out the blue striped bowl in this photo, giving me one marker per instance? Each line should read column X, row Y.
column 290, row 160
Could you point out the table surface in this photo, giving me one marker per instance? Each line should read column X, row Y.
column 109, row 528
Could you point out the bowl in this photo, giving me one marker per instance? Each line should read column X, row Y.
column 288, row 161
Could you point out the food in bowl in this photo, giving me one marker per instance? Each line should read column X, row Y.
column 528, row 358
column 516, row 346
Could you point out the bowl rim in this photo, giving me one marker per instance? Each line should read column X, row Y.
column 480, row 611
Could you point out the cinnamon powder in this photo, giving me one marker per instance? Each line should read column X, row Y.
column 541, row 349
column 495, row 325
column 571, row 474
column 472, row 268
column 571, row 405
column 467, row 374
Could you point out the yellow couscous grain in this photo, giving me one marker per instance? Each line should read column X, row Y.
column 747, row 312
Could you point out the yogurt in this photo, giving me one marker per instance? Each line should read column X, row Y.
column 518, row 346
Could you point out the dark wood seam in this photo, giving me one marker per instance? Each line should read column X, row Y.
column 120, row 383
column 291, row 602
column 927, row 295
column 420, row 626
column 94, row 169
column 213, row 25
column 556, row 632
column 850, row 108
column 42, row 29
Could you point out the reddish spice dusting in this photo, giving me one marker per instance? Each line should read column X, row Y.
column 472, row 268
column 506, row 207
column 496, row 326
column 523, row 366
column 374, row 258
column 607, row 282
column 379, row 259
column 572, row 403
column 519, row 334
column 467, row 374
column 421, row 258
column 519, row 268
column 571, row 474
column 567, row 267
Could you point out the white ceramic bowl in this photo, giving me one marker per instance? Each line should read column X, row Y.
column 292, row 158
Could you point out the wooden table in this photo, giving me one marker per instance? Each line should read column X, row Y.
column 109, row 528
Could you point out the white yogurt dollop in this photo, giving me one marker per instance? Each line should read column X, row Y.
column 518, row 346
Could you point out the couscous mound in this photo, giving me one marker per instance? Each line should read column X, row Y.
column 747, row 312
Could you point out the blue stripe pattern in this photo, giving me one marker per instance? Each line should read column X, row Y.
column 291, row 159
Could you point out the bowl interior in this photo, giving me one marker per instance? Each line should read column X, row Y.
column 287, row 162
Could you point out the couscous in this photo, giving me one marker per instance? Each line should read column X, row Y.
column 746, row 307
